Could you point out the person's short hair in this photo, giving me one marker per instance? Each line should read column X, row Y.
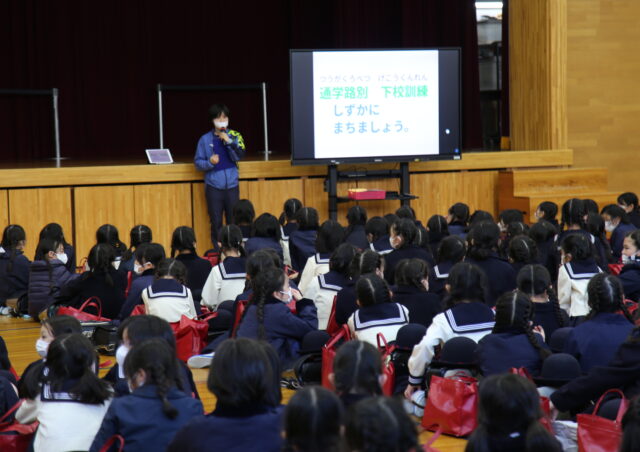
column 330, row 236
column 216, row 110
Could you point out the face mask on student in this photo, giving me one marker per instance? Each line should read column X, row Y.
column 42, row 347
column 288, row 294
column 628, row 259
column 137, row 268
column 221, row 124
column 609, row 226
column 121, row 354
column 62, row 257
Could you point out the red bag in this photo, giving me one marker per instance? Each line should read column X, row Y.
column 332, row 324
column 140, row 309
column 111, row 442
column 597, row 434
column 329, row 354
column 15, row 437
column 240, row 307
column 545, row 403
column 452, row 405
column 191, row 335
column 129, row 281
column 213, row 257
column 85, row 316
column 615, row 269
column 427, row 447
column 388, row 369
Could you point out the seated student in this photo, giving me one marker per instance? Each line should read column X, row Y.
column 631, row 427
column 357, row 372
column 243, row 216
column 355, row 233
column 452, row 250
column 183, row 249
column 376, row 313
column 367, row 261
column 377, row 230
column 72, row 400
column 330, row 236
column 380, row 424
column 14, row 266
column 313, row 421
column 578, row 267
column 265, row 233
column 134, row 331
column 54, row 231
column 108, row 234
column 467, row 315
column 509, row 418
column 403, row 235
column 227, row 279
column 513, row 341
column 324, row 288
column 534, row 280
column 543, row 233
column 508, row 216
column 245, row 379
column 288, row 224
column 483, row 251
column 591, row 206
column 168, row 297
column 618, row 224
column 302, row 241
column 522, row 251
column 547, row 211
column 458, row 219
column 48, row 276
column 629, row 202
column 147, row 258
column 574, row 217
column 8, row 396
column 138, row 235
column 157, row 408
column 595, row 341
column 267, row 316
column 479, row 216
column 412, row 284
column 438, row 230
column 596, row 227
column 630, row 273
column 102, row 280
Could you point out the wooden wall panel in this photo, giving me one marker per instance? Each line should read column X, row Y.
column 201, row 225
column 33, row 208
column 4, row 208
column 603, row 93
column 537, row 73
column 270, row 195
column 163, row 207
column 95, row 206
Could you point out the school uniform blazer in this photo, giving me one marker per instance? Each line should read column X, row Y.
column 252, row 429
column 595, row 341
column 316, row 265
column 423, row 306
column 544, row 314
column 357, row 237
column 473, row 320
column 438, row 278
column 385, row 318
column 169, row 300
column 302, row 245
column 498, row 352
column 259, row 243
column 630, row 277
column 382, row 245
column 573, row 278
column 501, row 276
column 139, row 419
column 283, row 329
column 198, row 270
column 14, row 283
column 621, row 372
column 407, row 252
column 135, row 292
column 285, row 231
column 225, row 282
column 346, row 302
column 322, row 289
column 617, row 237
column 42, row 290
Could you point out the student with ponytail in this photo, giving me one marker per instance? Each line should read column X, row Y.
column 522, row 251
column 54, row 231
column 138, row 235
column 514, row 341
column 157, row 408
column 458, row 219
column 452, row 250
column 168, row 297
column 438, row 230
column 412, row 285
column 595, row 341
column 14, row 266
column 108, row 233
column 265, row 233
column 147, row 258
column 355, row 233
column 288, row 224
column 183, row 248
column 302, row 241
column 357, row 372
column 535, row 282
column 630, row 273
column 509, row 418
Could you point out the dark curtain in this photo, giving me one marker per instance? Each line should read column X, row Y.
column 107, row 58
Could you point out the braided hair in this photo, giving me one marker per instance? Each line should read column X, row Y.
column 291, row 206
column 371, row 290
column 534, row 280
column 606, row 294
column 138, row 235
column 231, row 239
column 158, row 361
column 514, row 312
column 264, row 285
column 11, row 238
column 357, row 368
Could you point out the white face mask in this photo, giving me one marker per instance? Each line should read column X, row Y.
column 221, row 124
column 609, row 226
column 121, row 354
column 62, row 257
column 42, row 347
column 137, row 268
column 288, row 294
column 628, row 259
column 394, row 242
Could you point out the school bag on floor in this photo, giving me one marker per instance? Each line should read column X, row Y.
column 452, row 405
column 15, row 437
column 598, row 434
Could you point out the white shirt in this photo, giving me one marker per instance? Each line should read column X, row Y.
column 170, row 306
column 221, row 286
column 315, row 266
column 572, row 291
column 367, row 331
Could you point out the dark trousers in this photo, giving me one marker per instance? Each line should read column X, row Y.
column 217, row 202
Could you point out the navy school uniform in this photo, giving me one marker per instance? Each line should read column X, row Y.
column 498, row 352
column 198, row 270
column 501, row 277
column 8, row 396
column 547, row 257
column 595, row 341
column 253, row 429
column 630, row 277
column 135, row 292
column 410, row 251
column 139, row 419
column 287, row 229
column 617, row 238
column 302, row 245
column 438, row 278
column 458, row 228
column 634, row 218
column 14, row 283
column 544, row 314
column 598, row 248
column 422, row 306
column 346, row 302
column 246, row 232
column 382, row 246
column 357, row 237
column 258, row 243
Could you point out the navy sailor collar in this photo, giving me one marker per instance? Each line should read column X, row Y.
column 441, row 271
column 585, row 269
column 332, row 281
column 233, row 268
column 470, row 318
column 322, row 258
column 377, row 315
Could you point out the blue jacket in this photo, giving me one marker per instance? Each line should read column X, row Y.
column 498, row 352
column 630, row 277
column 225, row 178
column 617, row 237
column 422, row 306
column 283, row 329
column 407, row 252
column 595, row 341
column 135, row 292
column 138, row 417
column 13, row 283
column 44, row 286
column 302, row 245
column 501, row 276
column 252, row 430
column 544, row 314
column 258, row 243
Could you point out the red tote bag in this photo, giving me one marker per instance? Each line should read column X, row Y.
column 452, row 405
column 111, row 442
column 81, row 315
column 329, row 354
column 332, row 324
column 15, row 437
column 191, row 335
column 597, row 434
column 388, row 369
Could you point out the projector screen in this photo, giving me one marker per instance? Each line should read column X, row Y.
column 375, row 105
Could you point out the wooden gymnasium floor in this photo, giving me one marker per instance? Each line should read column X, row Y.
column 20, row 336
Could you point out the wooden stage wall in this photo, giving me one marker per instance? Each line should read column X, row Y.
column 167, row 197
